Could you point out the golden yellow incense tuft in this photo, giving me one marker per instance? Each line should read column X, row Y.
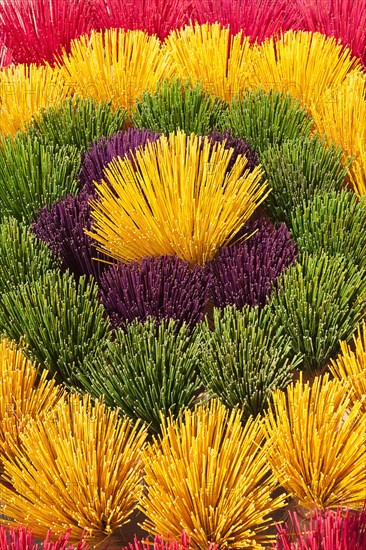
column 341, row 116
column 80, row 468
column 211, row 55
column 304, row 64
column 350, row 367
column 208, row 474
column 317, row 444
column 179, row 200
column 24, row 91
column 115, row 65
column 24, row 394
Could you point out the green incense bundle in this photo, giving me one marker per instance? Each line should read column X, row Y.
column 147, row 369
column 77, row 122
column 320, row 301
column 178, row 106
column 246, row 356
column 33, row 175
column 57, row 320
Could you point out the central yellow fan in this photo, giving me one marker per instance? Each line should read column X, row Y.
column 180, row 200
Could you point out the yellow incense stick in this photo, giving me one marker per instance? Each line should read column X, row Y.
column 350, row 367
column 304, row 64
column 179, row 200
column 24, row 394
column 341, row 116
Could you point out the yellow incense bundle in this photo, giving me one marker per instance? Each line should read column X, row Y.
column 208, row 475
column 210, row 54
column 317, row 444
column 304, row 64
column 179, row 200
column 24, row 394
column 24, row 91
column 79, row 467
column 114, row 65
column 341, row 116
column 350, row 367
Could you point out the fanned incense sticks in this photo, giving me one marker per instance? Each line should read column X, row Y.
column 24, row 90
column 246, row 356
column 23, row 539
column 320, row 301
column 178, row 199
column 155, row 17
column 333, row 223
column 62, row 226
column 317, row 444
column 149, row 370
column 245, row 273
column 80, row 468
column 121, row 144
column 343, row 19
column 117, row 243
column 350, row 366
column 162, row 287
column 29, row 260
column 178, row 106
column 341, row 117
column 114, row 65
column 298, row 170
column 266, row 119
column 333, row 530
column 33, row 175
column 37, row 30
column 307, row 65
column 77, row 122
column 59, row 320
column 220, row 485
column 257, row 19
column 24, row 394
column 191, row 52
column 160, row 544
column 240, row 146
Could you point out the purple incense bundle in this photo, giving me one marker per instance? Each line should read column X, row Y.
column 122, row 144
column 244, row 273
column 240, row 146
column 160, row 286
column 62, row 227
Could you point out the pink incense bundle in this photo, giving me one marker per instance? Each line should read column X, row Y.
column 343, row 19
column 257, row 19
column 35, row 31
column 160, row 544
column 22, row 538
column 341, row 529
column 152, row 16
